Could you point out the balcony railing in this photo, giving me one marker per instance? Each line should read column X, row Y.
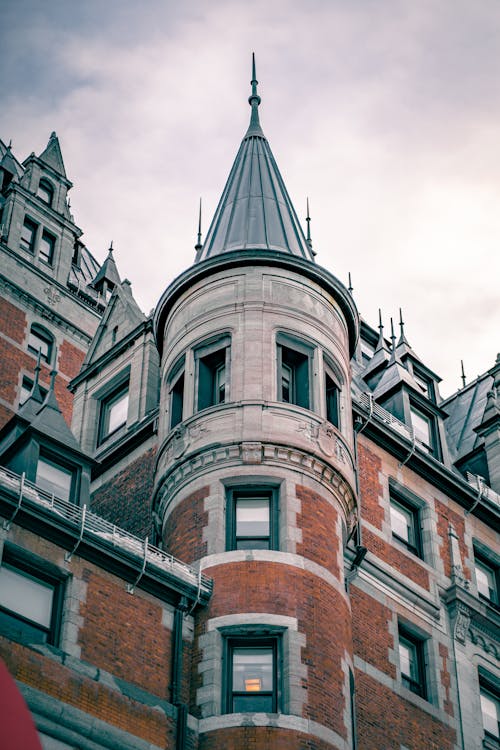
column 90, row 525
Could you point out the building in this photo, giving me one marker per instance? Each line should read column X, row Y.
column 266, row 528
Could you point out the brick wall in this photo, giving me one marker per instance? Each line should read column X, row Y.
column 371, row 638
column 126, row 498
column 385, row 721
column 370, row 489
column 318, row 522
column 408, row 565
column 261, row 738
column 183, row 535
column 445, row 516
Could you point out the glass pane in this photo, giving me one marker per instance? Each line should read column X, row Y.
column 220, row 384
column 252, row 517
column 408, row 660
column 45, row 193
column 286, row 383
column 46, row 247
column 36, row 343
column 485, row 580
column 252, row 670
column 29, row 598
column 253, row 703
column 54, row 479
column 117, row 413
column 489, row 709
column 402, row 523
column 421, row 427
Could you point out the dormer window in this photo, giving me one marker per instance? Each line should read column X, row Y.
column 45, row 192
column 40, row 340
column 54, row 478
column 113, row 412
column 424, row 429
column 425, row 384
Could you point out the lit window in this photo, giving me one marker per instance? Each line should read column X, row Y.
column 490, row 711
column 28, row 235
column 114, row 411
column 45, row 192
column 46, row 249
column 252, row 520
column 293, row 376
column 486, row 578
column 30, row 602
column 212, row 369
column 405, row 525
column 40, row 340
column 54, row 478
column 252, row 676
column 411, row 663
column 332, row 395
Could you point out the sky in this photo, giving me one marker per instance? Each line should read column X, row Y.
column 385, row 113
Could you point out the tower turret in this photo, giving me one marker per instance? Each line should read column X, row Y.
column 255, row 470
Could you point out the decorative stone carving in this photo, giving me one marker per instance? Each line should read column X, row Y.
column 53, row 297
column 251, row 453
column 462, row 622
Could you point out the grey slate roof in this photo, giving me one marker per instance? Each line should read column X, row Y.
column 466, row 410
column 255, row 211
column 108, row 271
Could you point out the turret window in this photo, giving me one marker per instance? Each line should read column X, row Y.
column 252, row 679
column 212, row 365
column 47, row 246
column 28, row 236
column 252, row 518
column 40, row 340
column 45, row 192
column 176, row 393
column 293, row 373
column 332, row 398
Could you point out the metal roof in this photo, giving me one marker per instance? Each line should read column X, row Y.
column 255, row 211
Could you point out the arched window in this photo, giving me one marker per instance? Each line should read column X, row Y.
column 40, row 340
column 45, row 191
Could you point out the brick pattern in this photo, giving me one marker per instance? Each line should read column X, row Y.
column 13, row 321
column 54, row 679
column 371, row 638
column 445, row 678
column 445, row 516
column 407, row 565
column 323, row 617
column 183, row 537
column 261, row 738
column 318, row 523
column 370, row 489
column 386, row 721
column 70, row 359
column 126, row 499
column 124, row 635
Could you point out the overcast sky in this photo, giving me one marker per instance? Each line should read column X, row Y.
column 386, row 113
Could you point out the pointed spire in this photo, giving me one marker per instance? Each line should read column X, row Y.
column 462, row 373
column 308, row 234
column 350, row 288
column 52, row 155
column 381, row 345
column 198, row 245
column 393, row 339
column 50, row 399
column 36, row 393
column 402, row 337
column 254, row 101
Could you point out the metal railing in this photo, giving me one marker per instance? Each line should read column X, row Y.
column 90, row 524
column 383, row 415
column 480, row 485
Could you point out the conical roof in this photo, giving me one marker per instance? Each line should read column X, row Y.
column 52, row 155
column 255, row 211
column 108, row 271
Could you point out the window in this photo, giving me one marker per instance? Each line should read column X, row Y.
column 45, row 192
column 411, row 662
column 40, row 340
column 252, row 675
column 366, row 351
column 30, row 600
column 113, row 412
column 332, row 394
column 28, row 235
column 490, row 711
column 46, row 249
column 424, row 430
column 54, row 478
column 424, row 383
column 212, row 370
column 176, row 393
column 293, row 375
column 405, row 525
column 26, row 388
column 486, row 578
column 252, row 522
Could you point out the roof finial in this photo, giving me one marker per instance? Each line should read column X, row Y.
column 350, row 288
column 308, row 220
column 110, row 249
column 10, row 144
column 198, row 245
column 393, row 336
column 254, row 101
column 463, row 373
column 402, row 337
column 36, row 393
